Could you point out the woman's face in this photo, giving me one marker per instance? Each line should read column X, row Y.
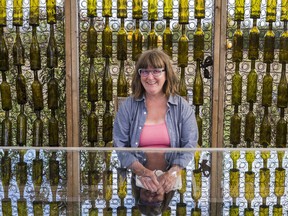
column 153, row 84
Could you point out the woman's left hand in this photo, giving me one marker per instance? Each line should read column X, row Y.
column 168, row 180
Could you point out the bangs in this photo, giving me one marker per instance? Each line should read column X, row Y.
column 152, row 60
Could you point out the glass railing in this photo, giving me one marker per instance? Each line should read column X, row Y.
column 90, row 181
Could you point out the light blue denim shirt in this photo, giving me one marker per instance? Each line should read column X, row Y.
column 181, row 125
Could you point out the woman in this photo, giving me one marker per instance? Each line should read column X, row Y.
column 155, row 116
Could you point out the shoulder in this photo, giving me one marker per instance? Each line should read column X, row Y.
column 129, row 103
column 179, row 101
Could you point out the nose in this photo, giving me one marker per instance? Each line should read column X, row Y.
column 150, row 75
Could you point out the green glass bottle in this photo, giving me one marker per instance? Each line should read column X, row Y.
column 108, row 184
column 93, row 125
column 237, row 54
column 107, row 40
column 21, row 135
column 264, row 182
column 122, row 184
column 21, row 175
column 279, row 189
column 250, row 157
column 3, row 13
column 53, row 94
column 197, row 185
column 249, row 185
column 107, row 124
column 6, row 138
column 136, row 212
column 199, row 9
column 255, row 9
column 168, row 9
column 182, row 84
column 34, row 13
column 152, row 10
column 122, row 42
column 93, row 212
column 107, row 8
column 52, row 50
column 199, row 42
column 91, row 8
column 236, row 87
column 38, row 208
column 265, row 130
column 51, row 11
column 200, row 126
column 21, row 89
column 183, row 174
column 252, row 81
column 277, row 210
column 137, row 37
column 92, row 40
column 92, row 86
column 121, row 8
column 18, row 50
column 54, row 208
column 283, row 47
column 271, row 10
column 17, row 12
column 196, row 212
column 6, row 205
column 269, row 45
column 183, row 49
column 137, row 9
column 37, row 95
column 282, row 97
column 6, row 172
column 152, row 37
column 107, row 86
column 167, row 39
column 37, row 172
column 38, row 132
column 53, row 131
column 235, row 129
column 122, row 85
column 263, row 210
column 249, row 133
column 4, row 62
column 181, row 209
column 267, row 88
column 281, row 133
column 22, row 206
column 253, row 51
column 183, row 12
column 284, row 10
column 6, row 99
column 198, row 86
column 54, row 172
column 35, row 56
column 234, row 182
column 239, row 10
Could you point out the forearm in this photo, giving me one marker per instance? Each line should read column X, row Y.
column 138, row 169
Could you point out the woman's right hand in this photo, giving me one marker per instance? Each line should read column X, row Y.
column 149, row 180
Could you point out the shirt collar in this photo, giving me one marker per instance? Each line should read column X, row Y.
column 171, row 100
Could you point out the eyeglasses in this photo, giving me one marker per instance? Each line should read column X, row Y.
column 145, row 203
column 156, row 72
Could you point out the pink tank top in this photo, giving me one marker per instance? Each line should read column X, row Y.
column 154, row 136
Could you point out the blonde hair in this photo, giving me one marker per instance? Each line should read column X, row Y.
column 157, row 59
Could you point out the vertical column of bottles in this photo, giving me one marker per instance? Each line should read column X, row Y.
column 282, row 99
column 181, row 206
column 235, row 127
column 167, row 34
column 121, row 94
column 199, row 12
column 37, row 97
column 183, row 46
column 6, row 102
column 18, row 61
column 53, row 125
column 152, row 17
column 107, row 87
column 137, row 35
column 92, row 96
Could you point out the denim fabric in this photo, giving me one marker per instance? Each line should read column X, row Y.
column 181, row 126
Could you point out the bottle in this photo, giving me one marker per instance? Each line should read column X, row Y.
column 54, row 208
column 278, row 209
column 234, row 182
column 199, row 43
column 252, row 81
column 107, row 124
column 4, row 62
column 267, row 88
column 51, row 11
column 199, row 9
column 122, row 42
column 237, row 54
column 236, row 87
column 37, row 172
column 37, row 94
column 6, row 172
column 137, row 10
column 168, row 9
column 264, row 182
column 93, row 212
column 107, row 185
column 91, row 40
column 282, row 97
column 249, row 186
column 122, row 183
column 6, row 205
column 249, row 127
column 183, row 49
column 136, row 212
column 200, row 126
column 22, row 206
column 181, row 209
column 21, row 89
column 136, row 42
column 92, row 86
column 37, row 207
column 21, row 129
column 269, row 45
column 196, row 212
column 38, row 132
column 198, row 87
column 107, row 40
column 239, row 10
column 197, row 185
column 53, row 131
column 152, row 37
column 168, row 39
column 5, row 95
column 3, row 13
column 152, row 10
column 35, row 56
column 21, row 174
column 91, row 8
column 183, row 12
column 54, row 172
column 182, row 190
column 182, row 84
column 283, row 47
column 52, row 51
column 121, row 8
column 250, row 157
column 17, row 12
column 107, row 8
column 235, row 129
column 18, row 50
column 93, row 125
column 263, row 210
column 107, row 87
column 265, row 130
column 271, row 11
column 6, row 138
column 34, row 13
column 53, row 94
column 284, row 11
column 255, row 9
column 253, row 50
column 281, row 132
column 122, row 85
column 279, row 182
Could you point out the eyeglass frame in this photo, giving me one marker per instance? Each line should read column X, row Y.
column 151, row 71
column 151, row 204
